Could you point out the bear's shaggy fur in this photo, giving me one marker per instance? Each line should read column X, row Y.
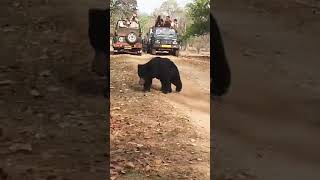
column 164, row 70
column 220, row 74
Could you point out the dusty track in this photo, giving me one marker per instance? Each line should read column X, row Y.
column 52, row 110
column 267, row 127
column 192, row 103
column 194, row 100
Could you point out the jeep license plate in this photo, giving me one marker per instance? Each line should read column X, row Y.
column 166, row 46
column 127, row 47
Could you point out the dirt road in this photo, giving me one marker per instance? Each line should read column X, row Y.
column 52, row 110
column 267, row 127
column 185, row 120
column 194, row 100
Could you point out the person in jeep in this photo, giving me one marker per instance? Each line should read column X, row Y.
column 123, row 23
column 174, row 25
column 159, row 22
column 167, row 22
column 135, row 15
column 134, row 23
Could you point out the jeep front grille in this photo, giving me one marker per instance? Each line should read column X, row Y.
column 166, row 42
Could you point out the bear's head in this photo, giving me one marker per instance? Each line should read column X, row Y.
column 141, row 73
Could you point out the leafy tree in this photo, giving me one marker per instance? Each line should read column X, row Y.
column 199, row 13
column 168, row 8
column 121, row 9
column 146, row 21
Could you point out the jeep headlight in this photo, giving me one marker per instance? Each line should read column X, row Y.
column 157, row 41
column 174, row 42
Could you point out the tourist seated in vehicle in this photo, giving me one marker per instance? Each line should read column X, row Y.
column 134, row 17
column 167, row 22
column 158, row 22
column 134, row 23
column 122, row 23
column 127, row 22
column 174, row 24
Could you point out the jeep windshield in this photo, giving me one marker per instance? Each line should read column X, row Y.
column 168, row 32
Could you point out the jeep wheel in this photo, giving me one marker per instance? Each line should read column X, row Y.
column 153, row 51
column 132, row 38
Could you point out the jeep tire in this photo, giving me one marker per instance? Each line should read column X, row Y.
column 132, row 38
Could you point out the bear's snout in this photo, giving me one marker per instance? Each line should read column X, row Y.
column 141, row 81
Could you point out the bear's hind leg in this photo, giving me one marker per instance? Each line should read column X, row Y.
column 166, row 86
column 177, row 82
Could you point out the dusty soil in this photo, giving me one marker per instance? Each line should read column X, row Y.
column 52, row 111
column 267, row 127
column 158, row 136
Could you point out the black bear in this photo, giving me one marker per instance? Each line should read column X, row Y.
column 164, row 70
column 221, row 79
column 98, row 32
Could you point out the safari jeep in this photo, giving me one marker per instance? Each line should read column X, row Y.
column 164, row 39
column 127, row 39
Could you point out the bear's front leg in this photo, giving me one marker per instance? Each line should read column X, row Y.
column 147, row 85
column 146, row 88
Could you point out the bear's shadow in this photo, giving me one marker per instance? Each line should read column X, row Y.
column 139, row 88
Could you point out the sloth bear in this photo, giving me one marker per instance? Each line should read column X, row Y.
column 221, row 80
column 98, row 32
column 164, row 70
